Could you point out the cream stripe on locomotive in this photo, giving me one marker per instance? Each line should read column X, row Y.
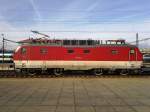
column 81, row 65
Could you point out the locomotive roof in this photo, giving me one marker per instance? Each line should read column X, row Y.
column 89, row 42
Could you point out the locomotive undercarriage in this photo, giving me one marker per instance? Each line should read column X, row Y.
column 96, row 71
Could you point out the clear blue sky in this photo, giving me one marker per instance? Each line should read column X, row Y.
column 103, row 18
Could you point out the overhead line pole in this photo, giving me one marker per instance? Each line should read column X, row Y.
column 137, row 39
column 3, row 48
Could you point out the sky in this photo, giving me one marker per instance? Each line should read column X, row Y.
column 75, row 19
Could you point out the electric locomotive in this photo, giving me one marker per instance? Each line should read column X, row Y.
column 57, row 56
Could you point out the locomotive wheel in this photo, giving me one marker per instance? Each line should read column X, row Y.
column 136, row 71
column 124, row 72
column 24, row 72
column 98, row 71
column 58, row 71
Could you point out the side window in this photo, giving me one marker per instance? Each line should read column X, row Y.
column 86, row 51
column 70, row 51
column 23, row 50
column 132, row 51
column 43, row 51
column 82, row 42
column 66, row 42
column 114, row 52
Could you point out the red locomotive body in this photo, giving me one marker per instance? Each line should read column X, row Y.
column 60, row 55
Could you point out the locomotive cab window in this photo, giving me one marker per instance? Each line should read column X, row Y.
column 70, row 51
column 114, row 52
column 23, row 51
column 43, row 51
column 132, row 51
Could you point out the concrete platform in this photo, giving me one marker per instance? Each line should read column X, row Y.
column 75, row 95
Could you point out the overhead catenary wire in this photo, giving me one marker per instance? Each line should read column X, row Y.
column 145, row 39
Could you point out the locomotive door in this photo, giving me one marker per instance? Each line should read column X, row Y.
column 43, row 52
column 132, row 57
column 132, row 54
column 24, row 57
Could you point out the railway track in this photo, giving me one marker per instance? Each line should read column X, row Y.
column 21, row 75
